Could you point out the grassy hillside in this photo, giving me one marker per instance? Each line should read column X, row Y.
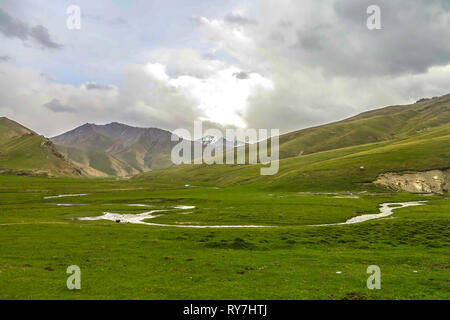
column 392, row 139
column 286, row 258
column 332, row 170
column 25, row 152
column 120, row 150
column 384, row 124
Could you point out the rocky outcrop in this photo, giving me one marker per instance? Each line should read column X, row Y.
column 433, row 181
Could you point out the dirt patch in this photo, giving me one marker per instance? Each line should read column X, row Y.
column 355, row 296
column 236, row 244
column 433, row 181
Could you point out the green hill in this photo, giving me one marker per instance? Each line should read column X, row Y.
column 384, row 124
column 22, row 151
column 393, row 139
column 396, row 138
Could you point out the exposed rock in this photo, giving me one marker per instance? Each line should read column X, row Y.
column 434, row 181
column 46, row 143
column 425, row 99
column 422, row 100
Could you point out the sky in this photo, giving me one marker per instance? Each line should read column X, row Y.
column 263, row 64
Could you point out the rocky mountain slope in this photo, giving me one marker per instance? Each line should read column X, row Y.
column 116, row 149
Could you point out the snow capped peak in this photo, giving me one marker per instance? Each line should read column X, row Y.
column 211, row 140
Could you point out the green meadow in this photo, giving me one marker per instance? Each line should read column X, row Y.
column 225, row 150
column 288, row 259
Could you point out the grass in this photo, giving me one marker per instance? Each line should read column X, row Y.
column 23, row 151
column 385, row 124
column 291, row 261
column 288, row 260
column 333, row 170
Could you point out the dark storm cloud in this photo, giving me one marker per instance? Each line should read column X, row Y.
column 5, row 58
column 56, row 106
column 46, row 76
column 14, row 28
column 314, row 39
column 41, row 35
column 326, row 64
column 195, row 21
column 11, row 27
column 238, row 19
column 242, row 75
column 209, row 56
column 415, row 35
column 285, row 24
column 96, row 86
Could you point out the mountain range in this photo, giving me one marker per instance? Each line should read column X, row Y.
column 400, row 147
column 117, row 149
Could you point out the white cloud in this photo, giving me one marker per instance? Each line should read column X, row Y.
column 221, row 90
column 149, row 97
column 223, row 96
column 158, row 71
column 184, row 61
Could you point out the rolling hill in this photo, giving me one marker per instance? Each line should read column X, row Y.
column 385, row 124
column 22, row 151
column 333, row 170
column 345, row 155
column 396, row 138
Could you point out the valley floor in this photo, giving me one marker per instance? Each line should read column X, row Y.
column 41, row 236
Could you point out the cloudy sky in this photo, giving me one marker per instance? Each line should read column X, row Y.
column 285, row 64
